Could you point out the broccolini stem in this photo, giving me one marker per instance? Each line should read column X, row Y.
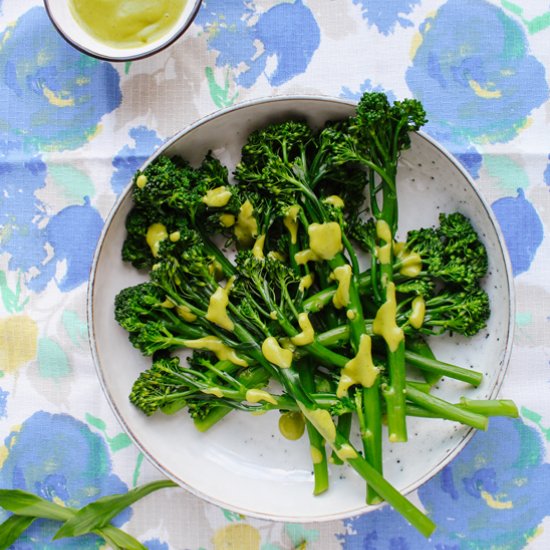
column 370, row 419
column 357, row 329
column 214, row 415
column 485, row 407
column 343, row 425
column 316, row 302
column 399, row 503
column 287, row 377
column 444, row 409
column 316, row 441
column 372, row 437
column 228, row 268
column 387, row 492
column 490, row 407
column 394, row 394
column 337, row 335
column 438, row 368
column 319, row 458
column 219, row 367
column 317, row 350
column 340, row 334
column 419, row 347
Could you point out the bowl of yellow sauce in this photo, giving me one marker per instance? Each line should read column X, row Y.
column 121, row 30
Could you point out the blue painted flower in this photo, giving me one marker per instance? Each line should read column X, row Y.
column 463, row 150
column 73, row 233
column 384, row 15
column 547, row 173
column 21, row 213
column 36, row 243
column 60, row 94
column 155, row 544
column 490, row 496
column 3, row 403
column 129, row 159
column 366, row 86
column 522, row 229
column 246, row 37
column 58, row 458
column 474, row 74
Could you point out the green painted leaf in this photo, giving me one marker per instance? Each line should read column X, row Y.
column 219, row 94
column 73, row 183
column 535, row 25
column 96, row 422
column 137, row 470
column 232, row 516
column 12, row 298
column 52, row 359
column 75, row 327
column 120, row 441
column 300, row 535
column 539, row 23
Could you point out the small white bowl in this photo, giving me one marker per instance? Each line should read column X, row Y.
column 65, row 23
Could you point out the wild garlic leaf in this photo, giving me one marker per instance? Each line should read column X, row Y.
column 119, row 539
column 27, row 507
column 24, row 503
column 99, row 513
column 13, row 528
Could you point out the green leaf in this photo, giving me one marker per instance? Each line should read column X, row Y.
column 119, row 539
column 98, row 514
column 24, row 503
column 12, row 529
column 96, row 422
column 12, row 299
column 120, row 441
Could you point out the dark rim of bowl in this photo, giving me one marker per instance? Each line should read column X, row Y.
column 127, row 58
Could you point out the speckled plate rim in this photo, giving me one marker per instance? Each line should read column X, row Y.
column 460, row 445
column 162, row 45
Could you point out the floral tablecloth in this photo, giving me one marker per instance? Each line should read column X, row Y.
column 74, row 129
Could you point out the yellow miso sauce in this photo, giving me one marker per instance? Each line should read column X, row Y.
column 218, row 197
column 359, row 370
column 156, row 233
column 217, row 307
column 307, row 336
column 214, row 344
column 276, row 354
column 292, row 425
column 126, row 23
column 246, row 228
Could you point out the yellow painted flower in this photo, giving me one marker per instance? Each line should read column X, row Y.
column 18, row 341
column 237, row 536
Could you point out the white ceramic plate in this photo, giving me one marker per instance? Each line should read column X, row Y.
column 243, row 464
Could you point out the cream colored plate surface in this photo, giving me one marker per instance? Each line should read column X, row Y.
column 243, row 464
